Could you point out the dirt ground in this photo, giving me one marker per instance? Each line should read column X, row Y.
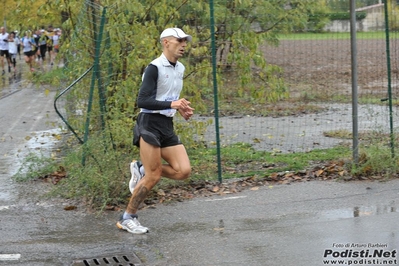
column 319, row 77
column 325, row 65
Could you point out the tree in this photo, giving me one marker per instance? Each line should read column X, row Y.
column 241, row 26
column 31, row 14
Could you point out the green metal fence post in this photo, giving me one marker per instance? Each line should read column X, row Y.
column 93, row 81
column 389, row 76
column 215, row 89
column 355, row 115
column 101, row 91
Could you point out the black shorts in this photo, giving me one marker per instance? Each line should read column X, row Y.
column 43, row 50
column 29, row 53
column 4, row 53
column 155, row 129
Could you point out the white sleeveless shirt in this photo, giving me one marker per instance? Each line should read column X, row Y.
column 169, row 85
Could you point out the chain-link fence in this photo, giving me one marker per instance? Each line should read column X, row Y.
column 298, row 99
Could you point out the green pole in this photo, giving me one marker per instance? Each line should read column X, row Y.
column 389, row 76
column 101, row 91
column 355, row 118
column 91, row 92
column 215, row 90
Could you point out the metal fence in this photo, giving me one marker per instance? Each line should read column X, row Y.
column 317, row 114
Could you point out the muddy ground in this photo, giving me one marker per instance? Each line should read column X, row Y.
column 319, row 76
column 326, row 64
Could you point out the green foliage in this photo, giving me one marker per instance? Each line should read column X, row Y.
column 242, row 160
column 317, row 18
column 28, row 14
column 376, row 161
column 343, row 5
column 317, row 22
column 104, row 177
column 346, row 15
column 55, row 77
column 393, row 11
column 35, row 166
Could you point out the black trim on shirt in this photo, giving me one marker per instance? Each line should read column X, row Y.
column 148, row 91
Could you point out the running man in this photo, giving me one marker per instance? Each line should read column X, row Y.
column 4, row 49
column 13, row 50
column 159, row 100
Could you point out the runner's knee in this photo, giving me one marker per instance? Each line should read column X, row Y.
column 184, row 173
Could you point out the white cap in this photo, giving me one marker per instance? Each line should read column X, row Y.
column 175, row 32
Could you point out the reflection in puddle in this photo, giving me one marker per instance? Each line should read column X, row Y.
column 40, row 142
column 359, row 211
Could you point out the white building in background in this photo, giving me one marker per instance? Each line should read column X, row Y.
column 374, row 21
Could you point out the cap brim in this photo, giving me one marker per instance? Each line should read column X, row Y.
column 189, row 38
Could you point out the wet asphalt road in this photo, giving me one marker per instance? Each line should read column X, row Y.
column 302, row 224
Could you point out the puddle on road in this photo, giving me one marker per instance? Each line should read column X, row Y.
column 271, row 223
column 39, row 142
column 321, row 216
column 359, row 211
column 10, row 84
column 43, row 140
